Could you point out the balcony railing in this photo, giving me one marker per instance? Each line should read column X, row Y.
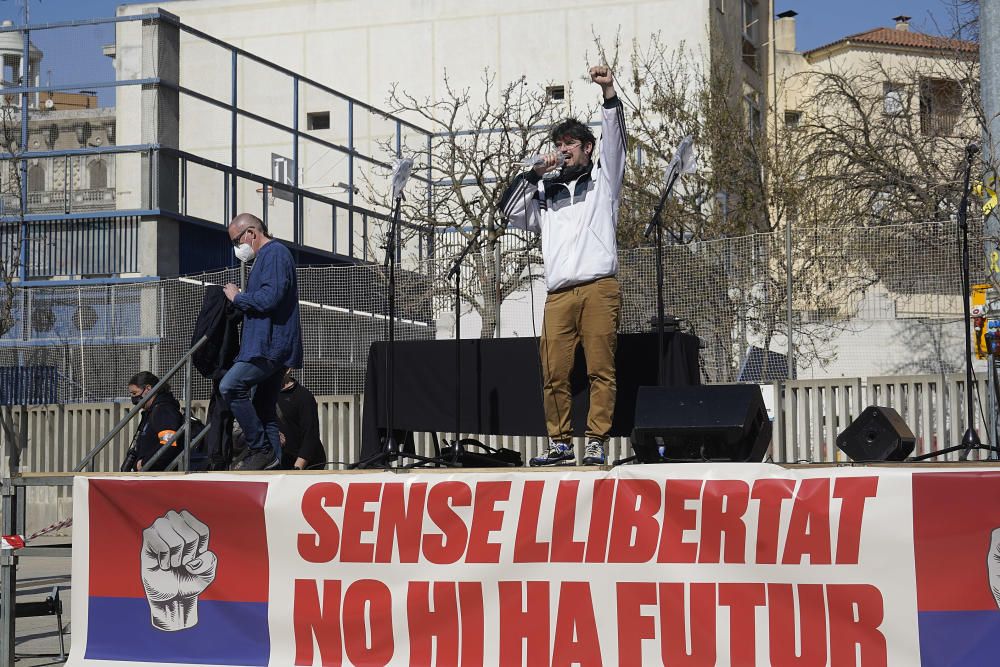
column 939, row 124
column 95, row 247
column 61, row 201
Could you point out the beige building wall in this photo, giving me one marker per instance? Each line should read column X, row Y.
column 876, row 65
column 792, row 89
column 361, row 48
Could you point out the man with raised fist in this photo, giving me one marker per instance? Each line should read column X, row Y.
column 576, row 213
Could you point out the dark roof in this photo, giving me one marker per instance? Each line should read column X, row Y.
column 904, row 39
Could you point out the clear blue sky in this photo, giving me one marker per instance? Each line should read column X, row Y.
column 70, row 56
column 823, row 21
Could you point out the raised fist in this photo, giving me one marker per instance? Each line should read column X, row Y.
column 993, row 564
column 176, row 567
column 601, row 75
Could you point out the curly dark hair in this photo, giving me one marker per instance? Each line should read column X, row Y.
column 573, row 129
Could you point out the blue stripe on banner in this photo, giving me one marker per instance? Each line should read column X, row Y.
column 227, row 633
column 959, row 638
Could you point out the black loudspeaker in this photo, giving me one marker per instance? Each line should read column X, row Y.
column 714, row 422
column 878, row 434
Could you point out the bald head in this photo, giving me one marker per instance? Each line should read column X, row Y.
column 245, row 222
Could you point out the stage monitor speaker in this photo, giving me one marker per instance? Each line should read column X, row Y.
column 878, row 434
column 715, row 422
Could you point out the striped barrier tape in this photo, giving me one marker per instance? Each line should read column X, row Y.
column 14, row 542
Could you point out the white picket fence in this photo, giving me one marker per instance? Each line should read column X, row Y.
column 810, row 413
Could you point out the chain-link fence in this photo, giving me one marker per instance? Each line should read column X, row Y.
column 867, row 301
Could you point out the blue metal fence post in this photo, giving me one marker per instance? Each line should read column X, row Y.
column 298, row 232
column 234, row 210
column 23, row 146
column 350, row 178
column 184, row 186
column 430, row 194
column 397, row 250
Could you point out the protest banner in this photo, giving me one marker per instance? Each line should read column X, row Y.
column 694, row 564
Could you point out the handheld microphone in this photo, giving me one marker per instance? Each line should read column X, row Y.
column 400, row 174
column 539, row 160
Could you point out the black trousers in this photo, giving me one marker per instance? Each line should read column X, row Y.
column 218, row 442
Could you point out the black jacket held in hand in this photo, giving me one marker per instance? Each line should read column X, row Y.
column 160, row 420
column 219, row 320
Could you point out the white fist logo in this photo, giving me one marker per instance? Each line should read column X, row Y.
column 993, row 564
column 176, row 567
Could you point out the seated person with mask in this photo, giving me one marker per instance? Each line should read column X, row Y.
column 161, row 418
column 298, row 426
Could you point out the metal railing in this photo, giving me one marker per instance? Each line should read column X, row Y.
column 184, row 362
column 150, row 171
column 940, row 123
column 12, row 521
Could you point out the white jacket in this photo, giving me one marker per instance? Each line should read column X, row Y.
column 577, row 220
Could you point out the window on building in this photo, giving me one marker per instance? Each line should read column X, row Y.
column 318, row 120
column 97, row 175
column 750, row 20
column 36, row 178
column 940, row 106
column 11, row 70
column 882, row 205
column 556, row 93
column 751, row 32
column 793, row 119
column 752, row 102
column 893, row 95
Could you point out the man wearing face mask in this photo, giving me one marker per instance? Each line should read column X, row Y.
column 576, row 212
column 271, row 340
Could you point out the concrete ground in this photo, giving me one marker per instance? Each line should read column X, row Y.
column 37, row 638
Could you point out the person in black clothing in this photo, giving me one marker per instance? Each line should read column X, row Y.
column 161, row 417
column 219, row 323
column 298, row 426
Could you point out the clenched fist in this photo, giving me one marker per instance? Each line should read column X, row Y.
column 993, row 565
column 176, row 568
column 602, row 76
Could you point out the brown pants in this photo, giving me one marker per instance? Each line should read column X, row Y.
column 585, row 314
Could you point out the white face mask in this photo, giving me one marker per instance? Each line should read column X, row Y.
column 244, row 252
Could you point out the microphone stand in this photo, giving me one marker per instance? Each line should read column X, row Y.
column 456, row 271
column 453, row 460
column 390, row 449
column 971, row 439
column 656, row 223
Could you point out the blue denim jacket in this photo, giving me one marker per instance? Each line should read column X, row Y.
column 270, row 304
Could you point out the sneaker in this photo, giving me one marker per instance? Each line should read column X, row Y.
column 558, row 453
column 262, row 459
column 593, row 455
